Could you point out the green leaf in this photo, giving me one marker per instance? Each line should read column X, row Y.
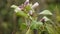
column 20, row 20
column 35, row 25
column 21, row 13
column 23, row 26
column 46, row 12
column 51, row 29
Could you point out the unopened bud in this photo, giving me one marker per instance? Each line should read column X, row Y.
column 35, row 5
column 21, row 7
column 26, row 2
column 45, row 19
column 42, row 20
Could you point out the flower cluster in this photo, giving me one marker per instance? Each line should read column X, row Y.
column 26, row 7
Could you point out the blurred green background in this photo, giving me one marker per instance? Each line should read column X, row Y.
column 9, row 22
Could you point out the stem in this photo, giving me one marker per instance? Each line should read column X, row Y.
column 35, row 31
column 28, row 31
column 43, row 21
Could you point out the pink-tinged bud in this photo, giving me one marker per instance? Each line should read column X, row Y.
column 42, row 20
column 35, row 5
column 26, row 2
column 21, row 7
column 45, row 19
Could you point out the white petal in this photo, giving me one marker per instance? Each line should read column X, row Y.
column 27, row 0
column 17, row 9
column 35, row 5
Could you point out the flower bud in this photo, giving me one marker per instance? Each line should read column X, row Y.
column 45, row 19
column 21, row 7
column 26, row 2
column 42, row 20
column 35, row 5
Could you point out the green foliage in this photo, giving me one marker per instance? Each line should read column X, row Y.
column 23, row 26
column 21, row 13
column 23, row 18
column 28, row 7
column 46, row 12
column 51, row 29
column 36, row 25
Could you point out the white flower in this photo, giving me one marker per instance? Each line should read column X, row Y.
column 17, row 9
column 21, row 7
column 26, row 2
column 35, row 5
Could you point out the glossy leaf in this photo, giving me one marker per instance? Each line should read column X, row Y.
column 21, row 13
column 46, row 12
